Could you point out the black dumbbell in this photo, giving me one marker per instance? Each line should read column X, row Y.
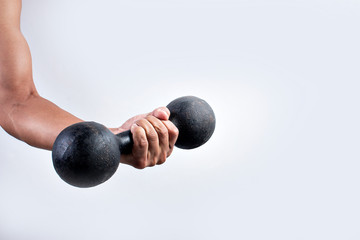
column 87, row 154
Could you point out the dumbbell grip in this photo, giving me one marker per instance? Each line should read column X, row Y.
column 194, row 119
column 126, row 142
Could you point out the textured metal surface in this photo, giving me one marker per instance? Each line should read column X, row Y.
column 86, row 154
column 195, row 120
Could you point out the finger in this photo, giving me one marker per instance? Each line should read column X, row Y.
column 163, row 137
column 152, row 139
column 140, row 147
column 162, row 113
column 127, row 125
column 173, row 133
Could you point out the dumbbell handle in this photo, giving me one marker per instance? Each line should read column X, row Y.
column 125, row 141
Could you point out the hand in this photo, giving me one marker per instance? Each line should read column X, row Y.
column 154, row 138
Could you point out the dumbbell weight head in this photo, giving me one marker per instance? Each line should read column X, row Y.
column 195, row 120
column 86, row 154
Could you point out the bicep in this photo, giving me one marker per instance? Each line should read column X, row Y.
column 15, row 57
column 15, row 61
column 10, row 11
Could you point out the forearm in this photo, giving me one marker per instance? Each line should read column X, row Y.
column 35, row 120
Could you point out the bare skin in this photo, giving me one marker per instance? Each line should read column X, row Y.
column 31, row 118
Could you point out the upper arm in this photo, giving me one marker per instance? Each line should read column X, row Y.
column 10, row 13
column 15, row 57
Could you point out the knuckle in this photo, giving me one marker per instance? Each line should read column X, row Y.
column 141, row 122
column 142, row 143
column 151, row 119
column 162, row 131
column 152, row 136
column 158, row 125
column 139, row 131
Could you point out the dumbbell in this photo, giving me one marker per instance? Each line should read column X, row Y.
column 87, row 154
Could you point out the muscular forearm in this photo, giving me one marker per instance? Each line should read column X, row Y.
column 35, row 120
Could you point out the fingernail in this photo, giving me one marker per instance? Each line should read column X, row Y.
column 164, row 112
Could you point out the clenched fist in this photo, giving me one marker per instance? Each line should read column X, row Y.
column 154, row 138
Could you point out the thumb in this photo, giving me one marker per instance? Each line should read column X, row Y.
column 162, row 113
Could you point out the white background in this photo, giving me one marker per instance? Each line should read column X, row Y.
column 282, row 77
